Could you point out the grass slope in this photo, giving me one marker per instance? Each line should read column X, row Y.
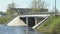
column 4, row 20
column 52, row 25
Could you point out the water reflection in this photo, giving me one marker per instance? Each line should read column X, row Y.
column 16, row 30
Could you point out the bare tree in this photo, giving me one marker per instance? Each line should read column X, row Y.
column 37, row 5
column 10, row 8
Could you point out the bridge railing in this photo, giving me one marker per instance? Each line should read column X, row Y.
column 33, row 13
column 40, row 22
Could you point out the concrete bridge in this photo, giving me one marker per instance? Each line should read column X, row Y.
column 28, row 20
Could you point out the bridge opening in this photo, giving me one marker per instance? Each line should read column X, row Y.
column 23, row 19
column 31, row 21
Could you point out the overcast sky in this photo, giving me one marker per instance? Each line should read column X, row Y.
column 25, row 3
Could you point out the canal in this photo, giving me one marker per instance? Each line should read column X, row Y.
column 17, row 30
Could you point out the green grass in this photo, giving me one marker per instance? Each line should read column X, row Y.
column 52, row 25
column 4, row 20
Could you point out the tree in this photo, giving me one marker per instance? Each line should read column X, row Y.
column 10, row 8
column 37, row 5
column 12, row 5
column 55, row 10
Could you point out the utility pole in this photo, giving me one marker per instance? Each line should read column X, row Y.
column 55, row 7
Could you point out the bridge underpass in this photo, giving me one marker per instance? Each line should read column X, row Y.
column 27, row 20
column 31, row 20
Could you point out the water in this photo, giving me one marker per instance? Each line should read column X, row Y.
column 16, row 30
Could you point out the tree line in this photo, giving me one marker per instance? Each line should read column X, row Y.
column 36, row 5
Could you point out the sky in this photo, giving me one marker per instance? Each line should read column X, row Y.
column 26, row 4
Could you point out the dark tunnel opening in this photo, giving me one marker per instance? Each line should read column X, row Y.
column 24, row 19
column 31, row 21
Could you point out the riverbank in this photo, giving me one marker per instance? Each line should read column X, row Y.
column 51, row 26
column 4, row 20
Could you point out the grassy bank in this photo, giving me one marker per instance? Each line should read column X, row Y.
column 51, row 26
column 4, row 20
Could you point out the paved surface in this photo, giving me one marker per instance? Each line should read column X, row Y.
column 16, row 22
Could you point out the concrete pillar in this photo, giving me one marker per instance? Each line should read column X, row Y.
column 35, row 24
column 27, row 25
column 35, row 20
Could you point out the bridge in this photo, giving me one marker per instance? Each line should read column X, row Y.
column 27, row 20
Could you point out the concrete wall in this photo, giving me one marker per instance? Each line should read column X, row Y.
column 16, row 22
column 39, row 19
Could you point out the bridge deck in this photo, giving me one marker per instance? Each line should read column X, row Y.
column 43, row 16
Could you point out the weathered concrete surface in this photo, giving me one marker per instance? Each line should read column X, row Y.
column 16, row 22
column 41, row 22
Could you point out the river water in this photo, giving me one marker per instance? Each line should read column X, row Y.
column 17, row 30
